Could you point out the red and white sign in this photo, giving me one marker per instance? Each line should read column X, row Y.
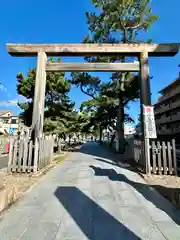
column 148, row 109
column 149, row 122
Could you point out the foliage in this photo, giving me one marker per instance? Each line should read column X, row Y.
column 115, row 21
column 127, row 17
column 58, row 107
column 103, row 110
column 87, row 83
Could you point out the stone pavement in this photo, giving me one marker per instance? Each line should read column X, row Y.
column 90, row 197
column 3, row 161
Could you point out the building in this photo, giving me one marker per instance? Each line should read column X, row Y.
column 167, row 110
column 9, row 124
column 129, row 130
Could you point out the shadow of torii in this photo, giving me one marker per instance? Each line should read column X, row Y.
column 94, row 221
column 145, row 190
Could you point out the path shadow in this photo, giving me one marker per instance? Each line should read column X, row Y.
column 102, row 154
column 99, row 152
column 145, row 190
column 108, row 162
column 95, row 149
column 93, row 220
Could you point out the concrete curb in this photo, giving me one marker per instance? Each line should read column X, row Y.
column 6, row 198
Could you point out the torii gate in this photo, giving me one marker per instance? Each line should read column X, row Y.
column 142, row 51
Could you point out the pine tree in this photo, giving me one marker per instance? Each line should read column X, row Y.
column 58, row 106
column 119, row 21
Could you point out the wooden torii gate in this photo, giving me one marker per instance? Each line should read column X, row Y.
column 42, row 51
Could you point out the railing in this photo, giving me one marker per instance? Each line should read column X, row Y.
column 166, row 108
column 165, row 131
column 175, row 117
column 161, row 109
column 163, row 120
column 168, row 119
column 175, row 104
column 169, row 95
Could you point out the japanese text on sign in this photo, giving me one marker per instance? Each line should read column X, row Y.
column 149, row 122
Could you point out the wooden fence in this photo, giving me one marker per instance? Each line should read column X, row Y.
column 135, row 151
column 24, row 156
column 162, row 156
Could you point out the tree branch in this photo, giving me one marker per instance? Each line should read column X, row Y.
column 91, row 95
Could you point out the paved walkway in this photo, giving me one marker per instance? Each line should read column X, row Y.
column 90, row 197
column 3, row 161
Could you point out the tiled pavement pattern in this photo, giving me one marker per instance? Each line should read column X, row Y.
column 90, row 197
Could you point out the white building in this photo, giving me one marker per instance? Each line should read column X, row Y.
column 9, row 124
column 129, row 130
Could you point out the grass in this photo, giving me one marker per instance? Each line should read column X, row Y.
column 61, row 158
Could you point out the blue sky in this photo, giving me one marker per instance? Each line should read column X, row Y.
column 59, row 21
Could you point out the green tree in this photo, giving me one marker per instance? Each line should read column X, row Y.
column 88, row 84
column 58, row 106
column 119, row 21
column 104, row 109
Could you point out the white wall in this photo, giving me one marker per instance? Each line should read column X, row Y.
column 129, row 129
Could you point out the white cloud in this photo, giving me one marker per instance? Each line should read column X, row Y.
column 20, row 98
column 13, row 102
column 8, row 103
column 3, row 89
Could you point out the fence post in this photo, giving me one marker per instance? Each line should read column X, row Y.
column 52, row 147
column 174, row 156
column 30, row 156
column 164, row 148
column 59, row 144
column 10, row 155
column 147, row 156
column 169, row 151
column 36, row 155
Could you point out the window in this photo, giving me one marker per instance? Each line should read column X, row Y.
column 14, row 121
column 6, row 121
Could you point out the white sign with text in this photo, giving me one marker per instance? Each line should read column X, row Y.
column 149, row 122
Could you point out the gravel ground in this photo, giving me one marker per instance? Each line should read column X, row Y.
column 167, row 186
column 22, row 182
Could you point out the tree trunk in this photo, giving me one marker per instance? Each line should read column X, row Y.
column 120, row 128
column 100, row 134
column 112, row 139
column 120, row 117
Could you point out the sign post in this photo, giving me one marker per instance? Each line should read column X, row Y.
column 11, row 131
column 149, row 122
column 149, row 133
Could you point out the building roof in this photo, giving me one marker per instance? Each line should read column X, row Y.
column 2, row 112
column 172, row 84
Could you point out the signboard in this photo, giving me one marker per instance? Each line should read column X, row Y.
column 11, row 131
column 149, row 122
